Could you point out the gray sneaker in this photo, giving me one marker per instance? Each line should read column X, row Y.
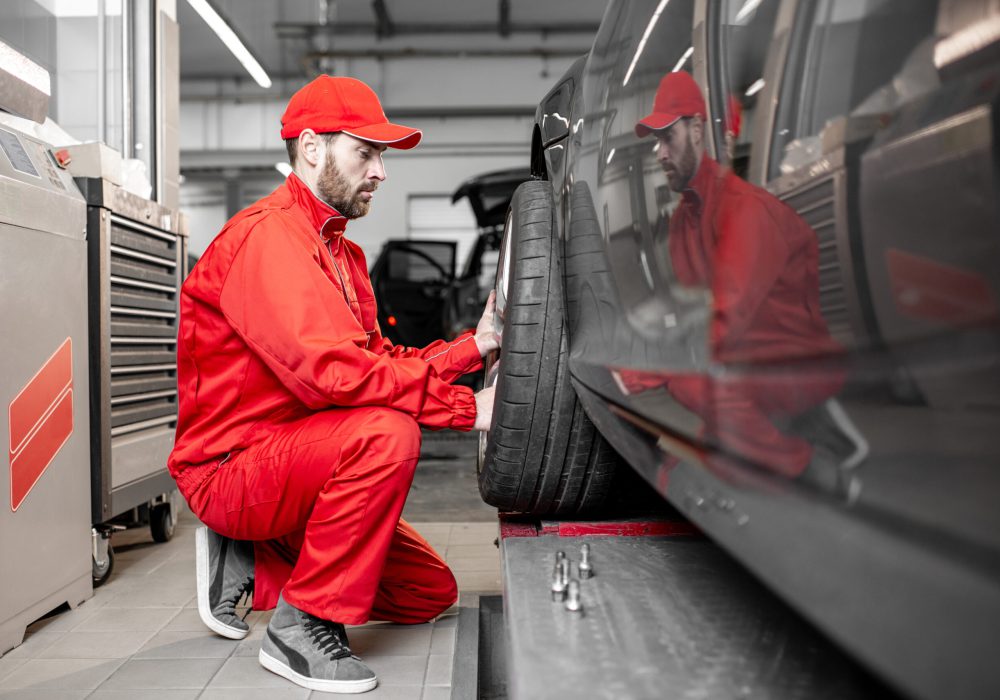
column 312, row 652
column 225, row 575
column 838, row 449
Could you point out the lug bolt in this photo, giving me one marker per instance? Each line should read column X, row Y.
column 573, row 603
column 558, row 583
column 586, row 570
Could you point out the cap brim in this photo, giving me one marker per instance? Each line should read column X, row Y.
column 392, row 135
column 655, row 122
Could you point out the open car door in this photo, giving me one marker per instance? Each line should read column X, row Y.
column 412, row 280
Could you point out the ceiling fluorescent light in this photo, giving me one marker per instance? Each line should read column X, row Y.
column 683, row 59
column 642, row 41
column 81, row 8
column 757, row 86
column 232, row 42
column 748, row 7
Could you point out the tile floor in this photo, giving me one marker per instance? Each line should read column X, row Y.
column 140, row 637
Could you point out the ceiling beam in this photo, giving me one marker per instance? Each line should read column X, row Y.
column 437, row 112
column 404, row 53
column 208, row 164
column 307, row 30
column 504, row 22
column 384, row 27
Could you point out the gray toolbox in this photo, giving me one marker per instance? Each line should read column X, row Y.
column 137, row 254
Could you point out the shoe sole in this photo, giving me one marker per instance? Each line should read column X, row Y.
column 204, row 609
column 283, row 670
column 846, row 426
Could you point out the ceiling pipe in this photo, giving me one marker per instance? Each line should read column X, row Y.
column 305, row 30
column 504, row 21
column 384, row 27
column 393, row 54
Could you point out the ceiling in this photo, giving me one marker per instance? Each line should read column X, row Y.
column 296, row 39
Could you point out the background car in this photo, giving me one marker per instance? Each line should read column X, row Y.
column 873, row 124
column 422, row 293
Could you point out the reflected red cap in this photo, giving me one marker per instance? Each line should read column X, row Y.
column 344, row 104
column 678, row 96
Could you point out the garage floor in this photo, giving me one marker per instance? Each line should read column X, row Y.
column 140, row 637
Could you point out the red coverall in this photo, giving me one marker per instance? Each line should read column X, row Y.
column 298, row 422
column 760, row 259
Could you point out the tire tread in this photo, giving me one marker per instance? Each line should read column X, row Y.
column 554, row 464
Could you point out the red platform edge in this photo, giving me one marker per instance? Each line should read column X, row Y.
column 520, row 526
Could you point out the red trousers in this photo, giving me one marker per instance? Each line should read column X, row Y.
column 321, row 499
column 738, row 412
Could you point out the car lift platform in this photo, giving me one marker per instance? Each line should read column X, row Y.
column 666, row 614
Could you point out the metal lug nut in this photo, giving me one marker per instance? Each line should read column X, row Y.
column 558, row 583
column 586, row 570
column 573, row 603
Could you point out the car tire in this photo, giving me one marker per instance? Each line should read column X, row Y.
column 586, row 276
column 543, row 455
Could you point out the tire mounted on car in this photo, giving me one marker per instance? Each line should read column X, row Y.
column 543, row 455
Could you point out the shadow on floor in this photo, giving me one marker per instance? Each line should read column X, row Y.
column 445, row 487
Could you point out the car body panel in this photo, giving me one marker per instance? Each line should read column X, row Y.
column 900, row 191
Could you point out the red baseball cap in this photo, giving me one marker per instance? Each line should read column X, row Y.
column 344, row 104
column 678, row 96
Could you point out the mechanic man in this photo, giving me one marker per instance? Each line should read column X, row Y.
column 759, row 259
column 299, row 424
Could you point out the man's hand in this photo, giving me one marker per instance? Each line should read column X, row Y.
column 486, row 337
column 484, row 408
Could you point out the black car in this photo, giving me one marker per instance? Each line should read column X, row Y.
column 422, row 293
column 760, row 263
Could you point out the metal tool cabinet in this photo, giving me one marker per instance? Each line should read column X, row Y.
column 136, row 254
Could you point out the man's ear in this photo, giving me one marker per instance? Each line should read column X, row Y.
column 696, row 127
column 309, row 147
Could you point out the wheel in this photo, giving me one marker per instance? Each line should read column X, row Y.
column 161, row 522
column 586, row 276
column 103, row 560
column 542, row 455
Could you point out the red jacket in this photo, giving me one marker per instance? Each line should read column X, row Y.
column 278, row 319
column 759, row 258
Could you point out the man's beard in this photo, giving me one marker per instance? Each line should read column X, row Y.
column 335, row 190
column 683, row 170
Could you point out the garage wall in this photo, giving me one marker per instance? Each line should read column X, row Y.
column 452, row 151
column 413, row 173
column 408, row 173
column 221, row 115
column 236, row 127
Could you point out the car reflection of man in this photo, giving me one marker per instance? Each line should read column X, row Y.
column 299, row 423
column 760, row 261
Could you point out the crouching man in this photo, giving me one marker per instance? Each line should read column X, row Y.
column 299, row 424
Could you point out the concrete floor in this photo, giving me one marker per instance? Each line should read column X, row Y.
column 140, row 637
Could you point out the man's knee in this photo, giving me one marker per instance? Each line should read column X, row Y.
column 393, row 432
column 449, row 591
column 440, row 593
